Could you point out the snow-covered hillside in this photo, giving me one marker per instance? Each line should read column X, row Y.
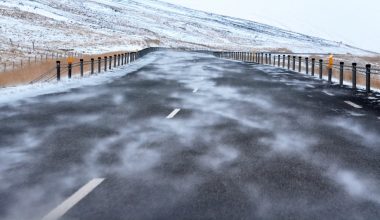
column 93, row 26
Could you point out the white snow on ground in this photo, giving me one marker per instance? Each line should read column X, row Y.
column 108, row 25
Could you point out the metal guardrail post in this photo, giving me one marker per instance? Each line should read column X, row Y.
column 58, row 70
column 307, row 65
column 81, row 67
column 354, row 76
column 312, row 66
column 341, row 69
column 320, row 68
column 368, row 78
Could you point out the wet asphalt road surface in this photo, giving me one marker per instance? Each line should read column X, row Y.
column 246, row 142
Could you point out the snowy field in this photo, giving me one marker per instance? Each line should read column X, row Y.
column 112, row 25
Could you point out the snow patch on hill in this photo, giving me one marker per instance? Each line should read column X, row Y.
column 107, row 25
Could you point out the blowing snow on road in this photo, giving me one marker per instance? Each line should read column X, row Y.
column 185, row 135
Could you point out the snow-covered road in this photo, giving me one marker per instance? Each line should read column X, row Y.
column 189, row 136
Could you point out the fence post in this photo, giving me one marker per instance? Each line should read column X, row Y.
column 114, row 61
column 312, row 66
column 288, row 62
column 92, row 66
column 299, row 64
column 110, row 63
column 99, row 64
column 283, row 61
column 58, row 70
column 341, row 69
column 105, row 63
column 122, row 59
column 125, row 57
column 266, row 58
column 270, row 59
column 118, row 60
column 279, row 60
column 368, row 78
column 81, row 67
column 354, row 76
column 330, row 74
column 69, row 69
column 320, row 68
column 274, row 60
column 294, row 63
column 307, row 65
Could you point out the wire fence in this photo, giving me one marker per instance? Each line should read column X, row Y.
column 355, row 75
column 92, row 65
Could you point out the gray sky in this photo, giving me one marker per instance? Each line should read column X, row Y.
column 353, row 22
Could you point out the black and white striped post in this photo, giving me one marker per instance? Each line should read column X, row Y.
column 354, row 65
column 341, row 71
column 368, row 78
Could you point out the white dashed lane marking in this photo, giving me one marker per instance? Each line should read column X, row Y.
column 327, row 93
column 70, row 202
column 174, row 112
column 352, row 104
column 195, row 90
column 310, row 86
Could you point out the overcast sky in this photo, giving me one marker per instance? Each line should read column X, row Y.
column 352, row 22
